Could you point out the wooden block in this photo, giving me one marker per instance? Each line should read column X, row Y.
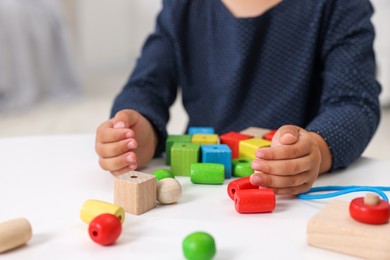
column 232, row 139
column 171, row 139
column 135, row 192
column 247, row 148
column 255, row 131
column 333, row 228
column 14, row 233
column 205, row 139
column 200, row 130
column 218, row 153
column 182, row 156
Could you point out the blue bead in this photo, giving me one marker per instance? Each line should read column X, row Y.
column 200, row 130
column 218, row 153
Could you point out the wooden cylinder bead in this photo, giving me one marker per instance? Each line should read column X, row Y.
column 168, row 191
column 207, row 173
column 239, row 184
column 14, row 233
column 370, row 214
column 242, row 167
column 93, row 208
column 162, row 174
column 254, row 200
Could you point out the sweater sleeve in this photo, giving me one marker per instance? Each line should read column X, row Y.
column 152, row 87
column 349, row 110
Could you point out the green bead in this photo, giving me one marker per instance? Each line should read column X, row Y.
column 182, row 156
column 242, row 167
column 171, row 139
column 162, row 174
column 199, row 246
column 207, row 173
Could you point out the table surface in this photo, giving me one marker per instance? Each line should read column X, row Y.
column 47, row 179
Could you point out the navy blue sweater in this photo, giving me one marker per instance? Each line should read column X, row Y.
column 304, row 62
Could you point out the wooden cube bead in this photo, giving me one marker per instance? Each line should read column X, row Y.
column 205, row 139
column 247, row 148
column 218, row 153
column 171, row 139
column 168, row 191
column 182, row 156
column 200, row 130
column 255, row 131
column 135, row 192
column 232, row 139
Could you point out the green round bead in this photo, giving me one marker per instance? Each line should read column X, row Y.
column 199, row 246
column 242, row 167
column 162, row 174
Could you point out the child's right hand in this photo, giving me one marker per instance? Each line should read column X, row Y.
column 125, row 142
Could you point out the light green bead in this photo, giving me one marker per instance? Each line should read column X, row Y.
column 182, row 156
column 207, row 173
column 242, row 167
column 171, row 139
column 199, row 246
column 162, row 174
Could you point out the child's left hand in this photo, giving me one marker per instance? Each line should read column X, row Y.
column 292, row 163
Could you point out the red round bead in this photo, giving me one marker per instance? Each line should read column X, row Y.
column 378, row 214
column 105, row 229
column 254, row 200
column 239, row 184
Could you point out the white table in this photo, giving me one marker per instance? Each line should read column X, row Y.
column 47, row 179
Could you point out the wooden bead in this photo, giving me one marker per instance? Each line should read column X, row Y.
column 199, row 246
column 254, row 200
column 171, row 139
column 182, row 156
column 135, row 192
column 93, row 208
column 207, row 173
column 247, row 148
column 105, row 229
column 14, row 233
column 268, row 136
column 168, row 191
column 242, row 167
column 375, row 214
column 200, row 130
column 232, row 139
column 239, row 184
column 255, row 131
column 205, row 139
column 218, row 153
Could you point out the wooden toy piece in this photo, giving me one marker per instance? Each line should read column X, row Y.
column 93, row 208
column 205, row 139
column 182, row 156
column 255, row 131
column 200, row 130
column 207, row 173
column 247, row 148
column 171, row 139
column 370, row 209
column 218, row 153
column 242, row 167
column 199, row 246
column 168, row 191
column 105, row 229
column 232, row 139
column 135, row 192
column 254, row 201
column 334, row 229
column 268, row 136
column 239, row 184
column 162, row 174
column 14, row 233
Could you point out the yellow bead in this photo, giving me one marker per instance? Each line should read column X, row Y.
column 94, row 208
column 248, row 147
column 205, row 138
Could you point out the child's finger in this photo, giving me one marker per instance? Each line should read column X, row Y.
column 283, row 152
column 285, row 135
column 121, row 171
column 125, row 118
column 107, row 134
column 274, row 181
column 109, row 150
column 293, row 190
column 116, row 163
column 283, row 167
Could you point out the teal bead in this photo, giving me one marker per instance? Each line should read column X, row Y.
column 207, row 173
column 199, row 246
column 162, row 174
column 242, row 167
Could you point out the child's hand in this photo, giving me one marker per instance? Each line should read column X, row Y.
column 293, row 162
column 125, row 142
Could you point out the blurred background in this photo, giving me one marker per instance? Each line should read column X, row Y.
column 63, row 61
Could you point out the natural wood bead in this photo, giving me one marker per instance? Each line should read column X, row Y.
column 168, row 191
column 14, row 233
column 371, row 199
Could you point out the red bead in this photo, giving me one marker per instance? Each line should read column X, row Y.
column 254, row 200
column 378, row 214
column 105, row 229
column 268, row 136
column 232, row 139
column 239, row 184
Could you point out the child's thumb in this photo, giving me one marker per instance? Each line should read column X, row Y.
column 287, row 134
column 125, row 118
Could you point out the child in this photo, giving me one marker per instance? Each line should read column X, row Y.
column 306, row 68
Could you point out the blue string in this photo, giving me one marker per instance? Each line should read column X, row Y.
column 341, row 190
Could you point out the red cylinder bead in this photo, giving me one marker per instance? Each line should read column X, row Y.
column 268, row 136
column 239, row 184
column 105, row 229
column 376, row 215
column 254, row 200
